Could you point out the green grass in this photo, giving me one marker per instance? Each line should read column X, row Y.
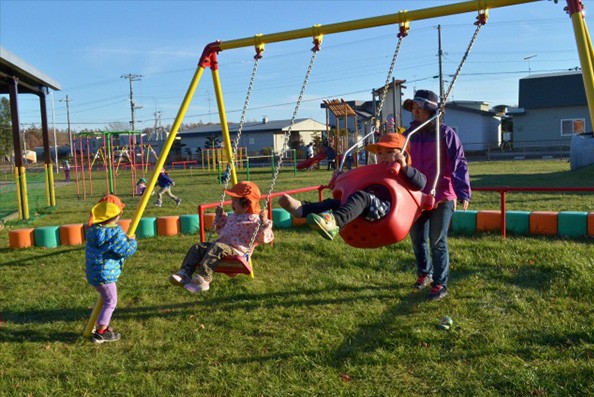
column 320, row 318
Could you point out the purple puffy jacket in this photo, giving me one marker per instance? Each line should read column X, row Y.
column 454, row 181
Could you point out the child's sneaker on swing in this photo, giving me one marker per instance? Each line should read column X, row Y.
column 324, row 223
column 180, row 278
column 197, row 284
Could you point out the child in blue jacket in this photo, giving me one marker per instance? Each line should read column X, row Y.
column 107, row 247
column 165, row 183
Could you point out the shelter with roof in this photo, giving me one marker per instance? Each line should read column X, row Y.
column 18, row 77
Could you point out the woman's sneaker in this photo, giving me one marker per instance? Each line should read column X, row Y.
column 325, row 224
column 423, row 281
column 109, row 335
column 438, row 292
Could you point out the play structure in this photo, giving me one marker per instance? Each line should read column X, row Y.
column 111, row 157
column 210, row 59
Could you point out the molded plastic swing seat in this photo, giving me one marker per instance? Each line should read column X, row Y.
column 233, row 265
column 406, row 205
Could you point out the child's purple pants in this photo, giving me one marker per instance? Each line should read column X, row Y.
column 109, row 293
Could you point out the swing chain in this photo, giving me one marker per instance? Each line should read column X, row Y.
column 479, row 25
column 287, row 136
column 227, row 175
column 389, row 77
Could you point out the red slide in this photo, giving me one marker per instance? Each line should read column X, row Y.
column 309, row 162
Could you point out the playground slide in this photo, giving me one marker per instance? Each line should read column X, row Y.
column 309, row 162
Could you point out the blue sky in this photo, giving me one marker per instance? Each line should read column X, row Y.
column 88, row 45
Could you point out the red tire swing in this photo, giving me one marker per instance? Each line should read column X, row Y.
column 406, row 205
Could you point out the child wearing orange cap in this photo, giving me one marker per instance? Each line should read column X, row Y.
column 235, row 235
column 328, row 216
column 107, row 247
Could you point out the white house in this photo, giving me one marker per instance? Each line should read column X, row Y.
column 256, row 136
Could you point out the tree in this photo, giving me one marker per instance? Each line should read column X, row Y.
column 212, row 142
column 5, row 128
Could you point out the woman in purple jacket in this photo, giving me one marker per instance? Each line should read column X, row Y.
column 429, row 232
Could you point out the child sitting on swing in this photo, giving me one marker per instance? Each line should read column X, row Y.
column 235, row 235
column 328, row 216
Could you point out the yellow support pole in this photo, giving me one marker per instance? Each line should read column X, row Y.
column 153, row 180
column 17, row 181
column 24, row 194
column 585, row 51
column 52, row 185
column 391, row 19
column 47, row 185
column 225, row 128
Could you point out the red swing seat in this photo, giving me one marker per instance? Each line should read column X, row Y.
column 233, row 265
column 406, row 205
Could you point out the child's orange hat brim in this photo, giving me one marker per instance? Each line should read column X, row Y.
column 247, row 190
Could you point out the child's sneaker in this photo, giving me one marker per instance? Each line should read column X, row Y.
column 180, row 278
column 177, row 202
column 324, row 223
column 438, row 292
column 109, row 335
column 291, row 205
column 197, row 284
column 423, row 281
column 157, row 204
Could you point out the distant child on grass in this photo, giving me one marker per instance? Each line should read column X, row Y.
column 235, row 235
column 328, row 216
column 140, row 186
column 165, row 182
column 107, row 247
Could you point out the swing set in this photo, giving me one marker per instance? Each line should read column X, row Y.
column 407, row 205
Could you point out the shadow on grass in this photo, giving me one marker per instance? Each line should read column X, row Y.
column 23, row 260
column 244, row 301
column 385, row 332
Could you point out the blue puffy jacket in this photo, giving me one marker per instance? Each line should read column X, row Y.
column 164, row 180
column 107, row 247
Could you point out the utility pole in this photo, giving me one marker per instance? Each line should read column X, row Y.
column 133, row 106
column 157, row 129
column 440, row 55
column 528, row 58
column 67, row 100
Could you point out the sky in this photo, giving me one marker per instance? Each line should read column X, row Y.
column 87, row 46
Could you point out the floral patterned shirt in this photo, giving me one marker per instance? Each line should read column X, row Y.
column 237, row 230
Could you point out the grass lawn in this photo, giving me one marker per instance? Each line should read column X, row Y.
column 320, row 318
